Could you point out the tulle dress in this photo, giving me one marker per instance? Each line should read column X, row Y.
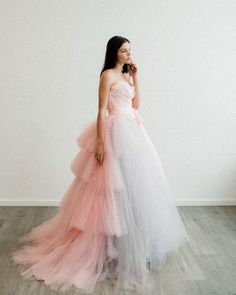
column 114, row 217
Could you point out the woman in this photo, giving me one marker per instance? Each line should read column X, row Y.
column 117, row 219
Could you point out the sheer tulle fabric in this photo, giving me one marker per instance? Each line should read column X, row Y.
column 113, row 217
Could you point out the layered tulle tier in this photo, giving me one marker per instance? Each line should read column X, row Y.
column 112, row 219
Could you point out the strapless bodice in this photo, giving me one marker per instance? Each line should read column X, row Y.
column 120, row 101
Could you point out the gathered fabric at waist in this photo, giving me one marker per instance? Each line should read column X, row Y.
column 128, row 112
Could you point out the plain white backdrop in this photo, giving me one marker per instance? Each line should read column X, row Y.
column 51, row 55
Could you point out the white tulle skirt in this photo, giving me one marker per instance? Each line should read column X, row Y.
column 113, row 219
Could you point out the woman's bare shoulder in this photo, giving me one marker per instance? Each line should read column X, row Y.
column 107, row 76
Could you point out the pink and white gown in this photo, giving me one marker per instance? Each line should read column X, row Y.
column 114, row 217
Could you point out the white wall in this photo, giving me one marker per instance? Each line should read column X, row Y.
column 51, row 55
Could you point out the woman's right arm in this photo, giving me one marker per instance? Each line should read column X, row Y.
column 103, row 94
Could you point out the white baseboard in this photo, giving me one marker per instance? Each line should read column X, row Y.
column 204, row 202
column 34, row 202
column 178, row 202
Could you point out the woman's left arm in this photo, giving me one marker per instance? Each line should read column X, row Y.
column 136, row 98
column 133, row 70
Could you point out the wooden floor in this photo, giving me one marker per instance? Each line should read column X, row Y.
column 205, row 266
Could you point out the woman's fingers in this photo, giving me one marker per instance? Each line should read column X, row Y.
column 99, row 157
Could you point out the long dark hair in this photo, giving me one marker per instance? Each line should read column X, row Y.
column 113, row 45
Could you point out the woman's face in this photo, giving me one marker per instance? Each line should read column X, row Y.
column 124, row 53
